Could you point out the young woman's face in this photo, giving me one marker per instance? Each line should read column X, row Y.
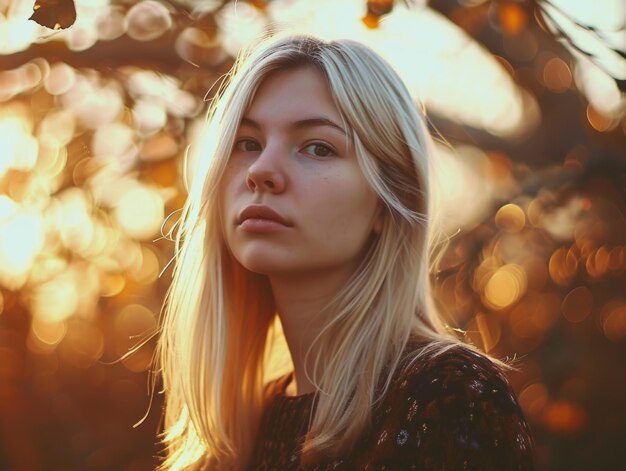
column 294, row 199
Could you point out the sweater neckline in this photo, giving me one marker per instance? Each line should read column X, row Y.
column 283, row 382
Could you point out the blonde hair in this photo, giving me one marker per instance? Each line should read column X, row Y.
column 218, row 317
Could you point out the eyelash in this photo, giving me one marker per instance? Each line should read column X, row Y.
column 329, row 148
column 323, row 145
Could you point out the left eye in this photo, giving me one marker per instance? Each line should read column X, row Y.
column 319, row 150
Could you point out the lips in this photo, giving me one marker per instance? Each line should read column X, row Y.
column 260, row 211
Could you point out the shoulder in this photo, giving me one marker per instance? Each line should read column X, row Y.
column 457, row 370
column 456, row 410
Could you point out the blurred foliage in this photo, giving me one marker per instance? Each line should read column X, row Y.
column 95, row 121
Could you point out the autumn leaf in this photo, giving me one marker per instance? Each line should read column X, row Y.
column 375, row 10
column 54, row 14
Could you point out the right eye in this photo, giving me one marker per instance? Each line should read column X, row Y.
column 247, row 145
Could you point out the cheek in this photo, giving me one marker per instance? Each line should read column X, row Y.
column 231, row 180
column 346, row 207
column 226, row 195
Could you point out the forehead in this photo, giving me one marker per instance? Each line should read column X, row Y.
column 292, row 94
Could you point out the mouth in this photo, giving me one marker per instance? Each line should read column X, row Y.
column 259, row 213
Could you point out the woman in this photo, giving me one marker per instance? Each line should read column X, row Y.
column 315, row 209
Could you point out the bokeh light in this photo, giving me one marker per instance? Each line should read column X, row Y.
column 578, row 304
column 48, row 333
column 510, row 218
column 140, row 212
column 505, row 286
column 147, row 20
column 240, row 24
column 613, row 319
column 20, row 242
column 557, row 75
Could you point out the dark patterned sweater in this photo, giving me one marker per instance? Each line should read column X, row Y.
column 455, row 411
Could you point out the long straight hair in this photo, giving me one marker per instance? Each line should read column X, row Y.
column 217, row 332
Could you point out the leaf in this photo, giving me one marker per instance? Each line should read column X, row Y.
column 375, row 10
column 54, row 14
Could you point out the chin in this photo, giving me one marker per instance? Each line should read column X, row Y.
column 261, row 265
column 263, row 258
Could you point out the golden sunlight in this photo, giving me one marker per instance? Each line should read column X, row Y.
column 140, row 211
column 20, row 241
column 55, row 300
column 19, row 147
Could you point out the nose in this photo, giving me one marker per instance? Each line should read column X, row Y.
column 265, row 173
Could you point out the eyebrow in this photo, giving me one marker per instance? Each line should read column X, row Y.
column 300, row 124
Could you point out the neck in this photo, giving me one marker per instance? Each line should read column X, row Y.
column 300, row 301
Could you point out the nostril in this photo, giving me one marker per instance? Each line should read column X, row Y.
column 251, row 183
column 266, row 182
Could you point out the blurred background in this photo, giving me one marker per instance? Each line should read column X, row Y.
column 99, row 100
